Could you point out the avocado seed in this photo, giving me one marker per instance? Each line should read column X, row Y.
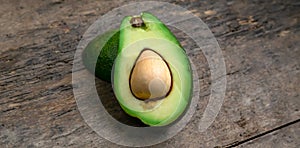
column 150, row 77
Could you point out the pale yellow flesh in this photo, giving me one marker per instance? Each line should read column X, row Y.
column 150, row 77
column 162, row 111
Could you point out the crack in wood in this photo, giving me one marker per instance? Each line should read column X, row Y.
column 237, row 143
column 68, row 133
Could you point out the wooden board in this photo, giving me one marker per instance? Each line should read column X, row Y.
column 259, row 40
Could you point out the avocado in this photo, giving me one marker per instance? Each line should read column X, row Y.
column 99, row 55
column 152, row 77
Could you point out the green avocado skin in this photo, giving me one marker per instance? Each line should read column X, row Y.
column 99, row 55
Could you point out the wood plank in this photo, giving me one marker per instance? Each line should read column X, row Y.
column 260, row 42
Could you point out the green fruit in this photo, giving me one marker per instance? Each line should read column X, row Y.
column 99, row 55
column 152, row 76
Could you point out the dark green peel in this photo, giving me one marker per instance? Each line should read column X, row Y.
column 100, row 53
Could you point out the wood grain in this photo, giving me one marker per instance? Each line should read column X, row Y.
column 259, row 40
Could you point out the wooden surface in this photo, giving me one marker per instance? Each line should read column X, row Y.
column 260, row 41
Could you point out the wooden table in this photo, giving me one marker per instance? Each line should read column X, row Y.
column 260, row 41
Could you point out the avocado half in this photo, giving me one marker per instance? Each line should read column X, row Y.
column 147, row 35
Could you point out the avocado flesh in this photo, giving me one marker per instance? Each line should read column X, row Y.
column 99, row 55
column 157, row 37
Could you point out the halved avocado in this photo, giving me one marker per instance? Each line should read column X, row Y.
column 152, row 77
column 99, row 55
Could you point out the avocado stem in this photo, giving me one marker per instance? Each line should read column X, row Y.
column 137, row 21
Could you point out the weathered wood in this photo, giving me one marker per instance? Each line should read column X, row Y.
column 259, row 40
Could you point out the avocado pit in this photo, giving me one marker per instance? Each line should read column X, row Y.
column 150, row 77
